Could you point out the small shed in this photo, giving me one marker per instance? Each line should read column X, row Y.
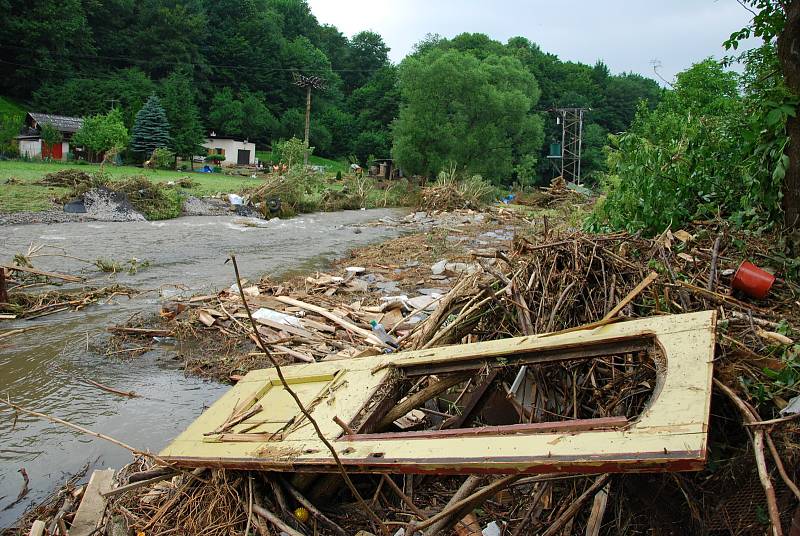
column 30, row 140
column 236, row 152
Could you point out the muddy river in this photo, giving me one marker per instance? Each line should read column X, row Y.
column 45, row 368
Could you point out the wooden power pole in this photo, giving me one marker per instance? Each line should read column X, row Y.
column 308, row 82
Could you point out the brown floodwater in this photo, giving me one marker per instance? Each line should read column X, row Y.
column 45, row 368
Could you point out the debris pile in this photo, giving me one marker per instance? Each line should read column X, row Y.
column 27, row 292
column 537, row 284
column 450, row 193
column 68, row 178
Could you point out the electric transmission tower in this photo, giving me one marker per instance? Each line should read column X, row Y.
column 571, row 121
column 308, row 82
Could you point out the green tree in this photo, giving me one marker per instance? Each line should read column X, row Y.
column 245, row 117
column 778, row 22
column 459, row 109
column 151, row 129
column 127, row 89
column 292, row 125
column 42, row 42
column 225, row 115
column 367, row 53
column 695, row 156
column 50, row 134
column 258, row 123
column 179, row 101
column 101, row 133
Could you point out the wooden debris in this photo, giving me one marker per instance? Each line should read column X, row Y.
column 93, row 506
column 34, row 271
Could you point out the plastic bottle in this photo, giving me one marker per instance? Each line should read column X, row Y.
column 380, row 332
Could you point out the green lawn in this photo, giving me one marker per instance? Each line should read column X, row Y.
column 331, row 166
column 19, row 193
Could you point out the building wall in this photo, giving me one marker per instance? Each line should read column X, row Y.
column 231, row 149
column 30, row 148
column 33, row 148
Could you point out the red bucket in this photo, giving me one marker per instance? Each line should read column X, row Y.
column 752, row 280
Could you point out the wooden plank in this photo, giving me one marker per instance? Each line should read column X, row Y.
column 535, row 356
column 472, row 400
column 288, row 328
column 652, row 276
column 37, row 529
column 34, row 271
column 579, row 425
column 141, row 331
column 93, row 505
column 330, row 316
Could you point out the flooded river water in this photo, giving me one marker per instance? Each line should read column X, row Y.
column 44, row 368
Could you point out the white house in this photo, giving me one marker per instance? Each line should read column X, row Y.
column 30, row 138
column 237, row 153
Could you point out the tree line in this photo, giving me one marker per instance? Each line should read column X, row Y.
column 228, row 66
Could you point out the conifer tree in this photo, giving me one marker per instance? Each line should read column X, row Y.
column 151, row 128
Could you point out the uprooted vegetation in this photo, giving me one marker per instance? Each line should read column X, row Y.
column 156, row 201
column 542, row 282
column 454, row 192
column 300, row 191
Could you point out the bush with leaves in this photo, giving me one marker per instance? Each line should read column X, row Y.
column 291, row 151
column 50, row 134
column 164, row 158
column 702, row 153
column 101, row 133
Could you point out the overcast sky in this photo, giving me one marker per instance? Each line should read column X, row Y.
column 628, row 35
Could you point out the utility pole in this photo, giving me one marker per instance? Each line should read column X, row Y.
column 571, row 121
column 309, row 83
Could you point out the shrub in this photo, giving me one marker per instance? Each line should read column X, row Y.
column 164, row 158
column 703, row 152
column 215, row 158
column 291, row 151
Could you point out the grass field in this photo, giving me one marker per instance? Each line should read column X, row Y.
column 18, row 191
column 331, row 166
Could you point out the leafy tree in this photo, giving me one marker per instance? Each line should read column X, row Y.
column 292, row 125
column 341, row 126
column 376, row 104
column 225, row 115
column 186, row 129
column 693, row 156
column 291, row 151
column 245, row 117
column 258, row 123
column 101, row 133
column 41, row 42
column 50, row 134
column 367, row 53
column 778, row 22
column 127, row 89
column 151, row 129
column 459, row 109
column 370, row 143
column 10, row 124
